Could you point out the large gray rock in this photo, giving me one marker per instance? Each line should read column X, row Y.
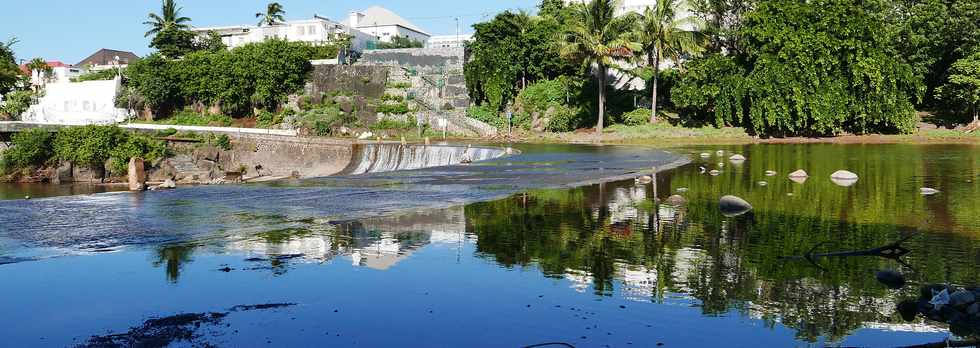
column 136, row 174
column 732, row 206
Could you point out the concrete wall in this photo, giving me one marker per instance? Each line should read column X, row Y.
column 288, row 156
column 436, row 73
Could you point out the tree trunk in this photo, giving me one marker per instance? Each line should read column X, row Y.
column 602, row 99
column 656, row 78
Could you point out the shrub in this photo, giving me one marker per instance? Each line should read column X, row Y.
column 223, row 142
column 392, row 124
column 30, row 148
column 636, row 117
column 393, row 109
column 15, row 103
column 100, row 75
column 267, row 119
column 166, row 132
column 488, row 115
column 564, row 119
column 400, row 85
column 94, row 145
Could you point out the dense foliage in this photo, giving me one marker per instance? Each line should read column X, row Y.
column 255, row 75
column 819, row 68
column 962, row 91
column 512, row 51
column 10, row 73
column 100, row 75
column 16, row 103
column 86, row 146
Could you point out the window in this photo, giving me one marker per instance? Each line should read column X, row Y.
column 311, row 30
column 300, row 30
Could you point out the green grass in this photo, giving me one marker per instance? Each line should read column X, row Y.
column 663, row 130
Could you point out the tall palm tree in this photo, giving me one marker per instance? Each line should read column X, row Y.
column 43, row 69
column 664, row 36
column 597, row 37
column 169, row 18
column 273, row 14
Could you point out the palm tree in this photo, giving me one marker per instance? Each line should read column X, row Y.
column 169, row 18
column 664, row 36
column 41, row 66
column 597, row 37
column 273, row 14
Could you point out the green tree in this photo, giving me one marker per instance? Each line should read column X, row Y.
column 211, row 42
column 815, row 68
column 174, row 43
column 273, row 14
column 596, row 37
column 169, row 18
column 664, row 36
column 963, row 86
column 10, row 73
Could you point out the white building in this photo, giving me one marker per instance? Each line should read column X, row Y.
column 318, row 30
column 447, row 41
column 385, row 25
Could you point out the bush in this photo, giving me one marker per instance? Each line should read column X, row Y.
column 564, row 119
column 392, row 124
column 223, row 142
column 393, row 109
column 488, row 115
column 166, row 132
column 100, row 75
column 30, row 148
column 636, row 117
column 15, row 103
column 400, row 85
column 268, row 119
column 94, row 145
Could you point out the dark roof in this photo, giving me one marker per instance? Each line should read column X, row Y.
column 107, row 57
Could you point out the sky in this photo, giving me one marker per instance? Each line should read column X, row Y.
column 69, row 31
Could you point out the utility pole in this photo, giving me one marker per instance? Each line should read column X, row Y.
column 457, row 33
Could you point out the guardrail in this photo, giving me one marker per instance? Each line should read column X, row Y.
column 227, row 130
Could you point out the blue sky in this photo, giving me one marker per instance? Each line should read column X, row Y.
column 71, row 30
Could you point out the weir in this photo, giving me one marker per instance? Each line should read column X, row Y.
column 371, row 158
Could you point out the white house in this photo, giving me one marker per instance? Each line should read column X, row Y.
column 318, row 30
column 385, row 25
column 444, row 41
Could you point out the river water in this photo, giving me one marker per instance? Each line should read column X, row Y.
column 518, row 251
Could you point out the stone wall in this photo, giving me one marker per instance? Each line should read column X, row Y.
column 362, row 80
column 436, row 74
column 288, row 156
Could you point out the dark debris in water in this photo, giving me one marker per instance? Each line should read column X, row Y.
column 162, row 332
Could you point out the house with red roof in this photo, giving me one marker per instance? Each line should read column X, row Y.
column 60, row 72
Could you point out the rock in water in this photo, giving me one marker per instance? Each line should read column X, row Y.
column 925, row 191
column 844, row 178
column 715, row 172
column 844, row 175
column 676, row 200
column 732, row 206
column 770, row 173
column 763, row 183
column 681, row 189
column 908, row 309
column 891, row 279
column 799, row 174
column 646, row 179
column 705, row 155
column 720, row 153
column 737, row 158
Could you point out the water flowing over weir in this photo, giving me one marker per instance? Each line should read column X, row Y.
column 390, row 157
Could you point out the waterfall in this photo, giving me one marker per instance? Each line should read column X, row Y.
column 377, row 158
column 78, row 103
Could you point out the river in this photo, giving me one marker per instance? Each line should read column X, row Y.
column 556, row 244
